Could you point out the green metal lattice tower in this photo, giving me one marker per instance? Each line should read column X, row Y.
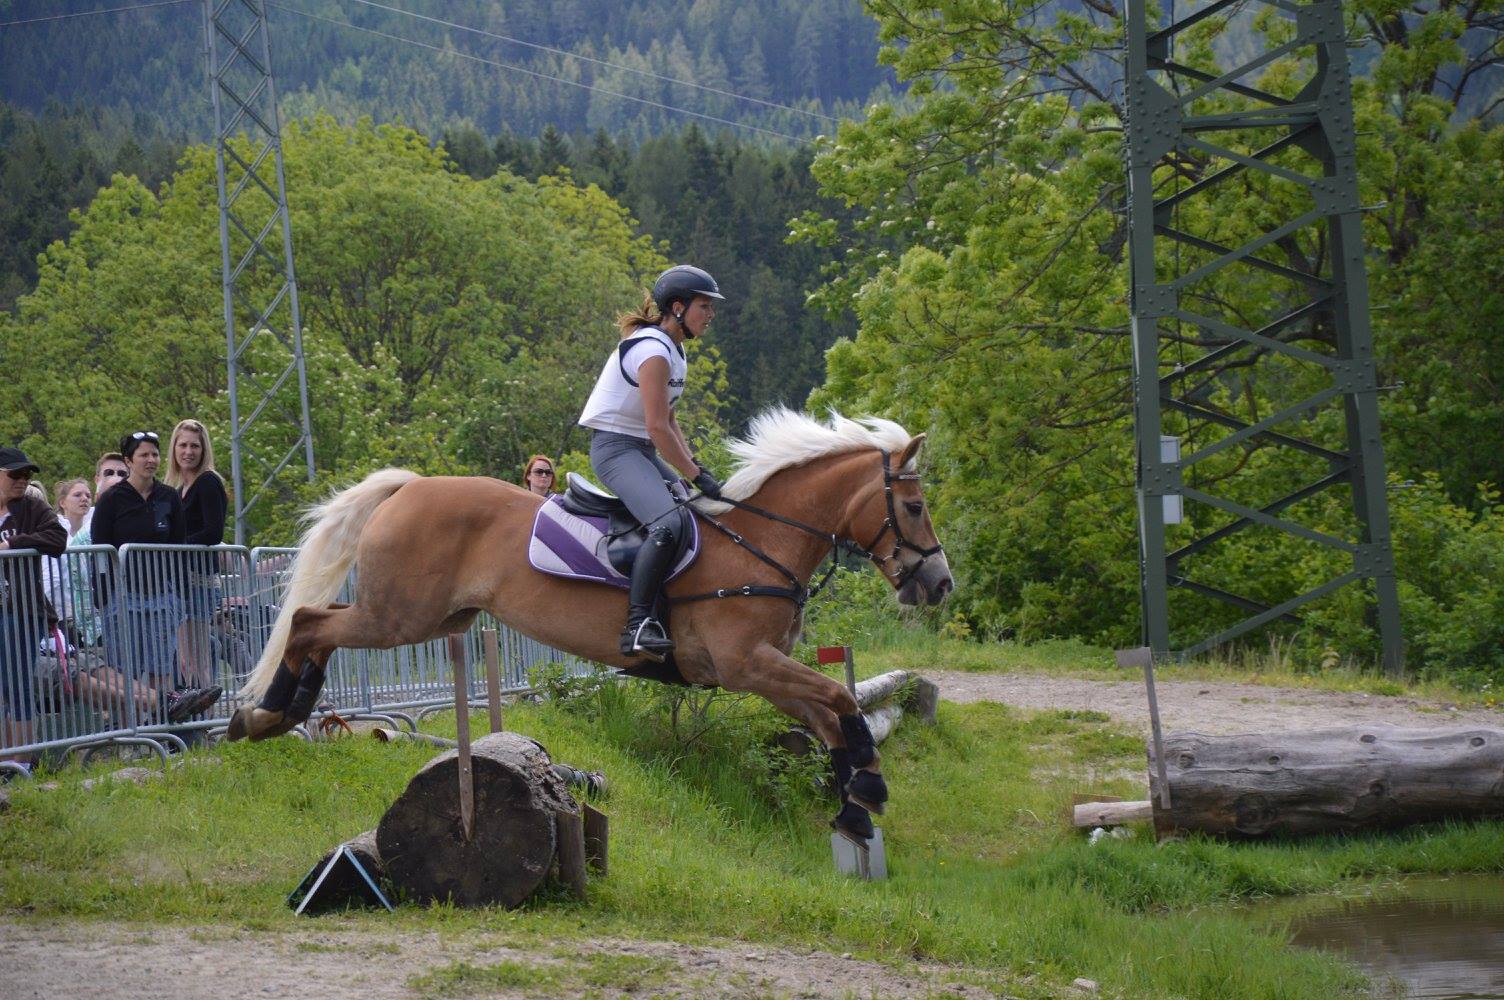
column 1191, row 131
column 267, row 379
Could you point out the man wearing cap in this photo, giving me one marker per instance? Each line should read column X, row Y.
column 25, row 523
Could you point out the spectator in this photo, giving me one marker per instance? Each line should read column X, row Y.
column 190, row 469
column 25, row 523
column 539, row 475
column 65, row 588
column 109, row 470
column 141, row 612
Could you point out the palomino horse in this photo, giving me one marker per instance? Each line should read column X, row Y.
column 434, row 552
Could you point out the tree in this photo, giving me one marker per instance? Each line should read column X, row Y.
column 985, row 263
column 430, row 300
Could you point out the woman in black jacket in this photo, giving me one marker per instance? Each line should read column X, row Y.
column 141, row 613
column 25, row 523
column 190, row 470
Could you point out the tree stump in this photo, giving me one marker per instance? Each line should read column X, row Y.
column 1326, row 781
column 421, row 840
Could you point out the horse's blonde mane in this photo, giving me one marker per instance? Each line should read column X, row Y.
column 780, row 438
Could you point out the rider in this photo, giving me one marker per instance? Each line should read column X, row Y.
column 631, row 416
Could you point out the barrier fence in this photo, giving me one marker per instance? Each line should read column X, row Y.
column 94, row 643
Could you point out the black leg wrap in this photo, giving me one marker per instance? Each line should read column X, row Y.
column 280, row 691
column 870, row 788
column 858, row 740
column 840, row 764
column 854, row 820
column 307, row 695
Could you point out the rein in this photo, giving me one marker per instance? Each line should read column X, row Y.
column 797, row 591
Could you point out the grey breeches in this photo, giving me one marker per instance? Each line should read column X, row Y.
column 630, row 467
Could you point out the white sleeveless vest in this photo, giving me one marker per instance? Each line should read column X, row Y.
column 615, row 404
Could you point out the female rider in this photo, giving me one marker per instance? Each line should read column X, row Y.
column 636, row 443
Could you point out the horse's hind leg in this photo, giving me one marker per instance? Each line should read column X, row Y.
column 293, row 693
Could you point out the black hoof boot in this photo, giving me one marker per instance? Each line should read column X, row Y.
column 310, row 683
column 869, row 790
column 854, row 821
column 840, row 764
column 280, row 691
column 859, row 742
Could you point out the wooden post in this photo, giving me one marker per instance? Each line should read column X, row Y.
column 570, row 829
column 462, row 727
column 493, row 676
column 597, row 837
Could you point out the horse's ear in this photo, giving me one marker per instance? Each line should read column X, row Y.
column 910, row 451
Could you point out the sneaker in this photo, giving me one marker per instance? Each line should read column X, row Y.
column 185, row 703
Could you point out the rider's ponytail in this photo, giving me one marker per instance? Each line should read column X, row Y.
column 646, row 314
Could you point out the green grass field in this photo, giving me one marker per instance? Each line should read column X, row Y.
column 715, row 836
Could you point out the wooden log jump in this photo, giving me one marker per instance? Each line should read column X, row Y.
column 1323, row 781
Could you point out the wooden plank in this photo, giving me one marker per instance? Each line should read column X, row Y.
column 597, row 838
column 571, row 847
column 492, row 653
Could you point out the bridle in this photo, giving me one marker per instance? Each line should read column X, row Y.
column 797, row 591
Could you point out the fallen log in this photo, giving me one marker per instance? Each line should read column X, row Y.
column 1326, row 781
column 517, row 795
column 918, row 696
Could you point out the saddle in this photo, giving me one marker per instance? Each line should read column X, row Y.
column 586, row 533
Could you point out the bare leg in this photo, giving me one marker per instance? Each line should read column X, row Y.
column 17, row 733
column 193, row 651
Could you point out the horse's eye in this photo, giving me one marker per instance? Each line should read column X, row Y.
column 914, row 507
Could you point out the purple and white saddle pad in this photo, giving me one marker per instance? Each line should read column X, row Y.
column 576, row 546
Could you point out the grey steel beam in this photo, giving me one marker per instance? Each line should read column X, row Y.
column 1331, row 295
column 266, row 376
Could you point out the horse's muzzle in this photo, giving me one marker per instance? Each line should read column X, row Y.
column 930, row 585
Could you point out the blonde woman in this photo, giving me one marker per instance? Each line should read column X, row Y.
column 190, row 470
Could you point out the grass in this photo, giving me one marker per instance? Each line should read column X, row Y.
column 913, row 648
column 715, row 837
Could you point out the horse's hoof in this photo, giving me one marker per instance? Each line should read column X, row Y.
column 257, row 724
column 869, row 790
column 854, row 821
column 238, row 725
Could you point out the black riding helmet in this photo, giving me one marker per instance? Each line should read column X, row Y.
column 682, row 283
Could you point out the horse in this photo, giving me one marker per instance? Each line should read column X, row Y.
column 433, row 552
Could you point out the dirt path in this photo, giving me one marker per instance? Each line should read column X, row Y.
column 41, row 962
column 1205, row 706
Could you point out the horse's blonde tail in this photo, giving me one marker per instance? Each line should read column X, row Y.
column 323, row 560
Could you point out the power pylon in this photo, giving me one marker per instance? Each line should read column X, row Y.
column 1197, row 130
column 263, row 324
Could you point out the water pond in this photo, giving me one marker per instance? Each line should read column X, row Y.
column 1431, row 938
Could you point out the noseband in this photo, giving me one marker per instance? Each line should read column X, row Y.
column 890, row 523
column 797, row 591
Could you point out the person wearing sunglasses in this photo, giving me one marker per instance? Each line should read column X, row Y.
column 538, row 476
column 25, row 523
column 142, row 613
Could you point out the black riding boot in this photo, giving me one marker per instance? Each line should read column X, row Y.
column 644, row 634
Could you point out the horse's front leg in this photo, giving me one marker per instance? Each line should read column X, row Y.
column 829, row 709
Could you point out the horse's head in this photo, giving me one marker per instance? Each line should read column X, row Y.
column 893, row 523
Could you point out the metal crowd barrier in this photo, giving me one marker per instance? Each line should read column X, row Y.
column 137, row 624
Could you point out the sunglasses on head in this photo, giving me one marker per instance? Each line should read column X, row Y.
column 107, row 473
column 145, row 436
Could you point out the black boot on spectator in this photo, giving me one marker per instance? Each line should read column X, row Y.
column 188, row 702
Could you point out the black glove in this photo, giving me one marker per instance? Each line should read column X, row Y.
column 708, row 485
